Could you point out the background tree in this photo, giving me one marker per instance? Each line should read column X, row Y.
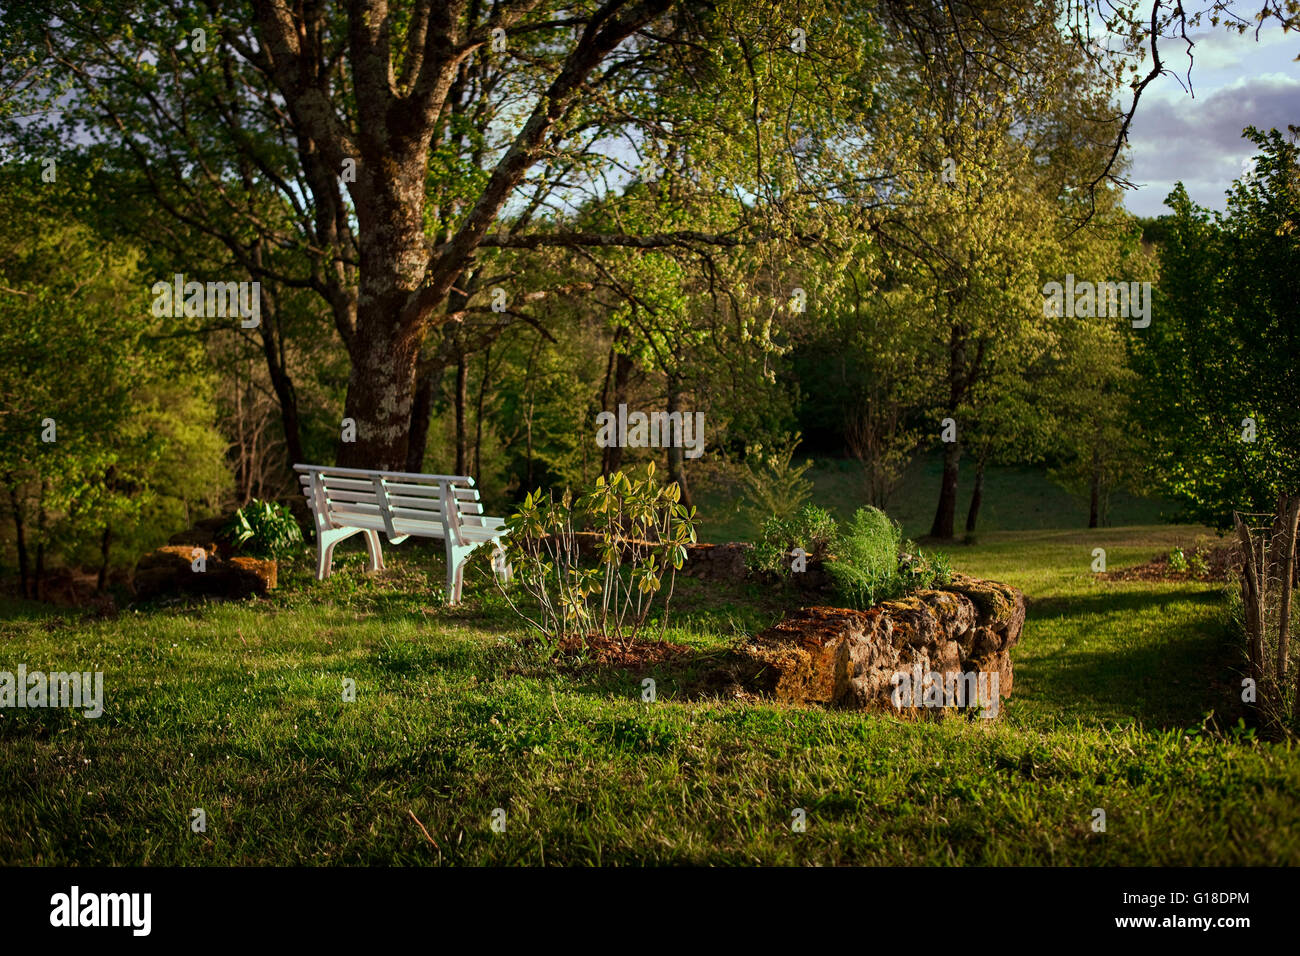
column 106, row 424
column 1218, row 391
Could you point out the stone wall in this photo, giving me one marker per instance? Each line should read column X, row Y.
column 845, row 658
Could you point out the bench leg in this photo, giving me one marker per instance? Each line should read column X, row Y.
column 376, row 556
column 500, row 566
column 457, row 555
column 325, row 542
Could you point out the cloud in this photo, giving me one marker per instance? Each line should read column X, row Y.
column 1223, row 49
column 1199, row 142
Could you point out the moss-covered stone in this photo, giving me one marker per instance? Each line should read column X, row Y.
column 849, row 658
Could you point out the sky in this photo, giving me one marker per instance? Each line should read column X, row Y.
column 1237, row 81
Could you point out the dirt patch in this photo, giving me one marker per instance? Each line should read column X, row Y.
column 595, row 651
column 1221, row 564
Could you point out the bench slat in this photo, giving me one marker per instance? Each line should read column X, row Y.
column 342, row 497
column 418, row 491
column 367, row 474
column 423, row 504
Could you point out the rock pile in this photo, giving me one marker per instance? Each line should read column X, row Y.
column 846, row 658
column 172, row 570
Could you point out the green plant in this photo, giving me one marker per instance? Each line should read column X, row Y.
column 263, row 529
column 1198, row 564
column 642, row 531
column 872, row 563
column 1177, row 561
column 924, row 569
column 865, row 568
column 813, row 529
column 774, row 486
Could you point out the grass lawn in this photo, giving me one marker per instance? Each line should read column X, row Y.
column 1015, row 499
column 236, row 708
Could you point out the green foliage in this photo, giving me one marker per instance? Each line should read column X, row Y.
column 135, row 449
column 264, row 529
column 872, row 562
column 1177, row 560
column 773, row 486
column 865, row 569
column 924, row 569
column 642, row 531
column 1218, row 385
column 813, row 529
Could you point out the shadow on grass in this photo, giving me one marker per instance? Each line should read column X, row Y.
column 1165, row 676
column 1116, row 601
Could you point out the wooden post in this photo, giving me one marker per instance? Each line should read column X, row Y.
column 1252, row 598
column 1292, row 518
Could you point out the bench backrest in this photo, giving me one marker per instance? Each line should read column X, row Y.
column 398, row 503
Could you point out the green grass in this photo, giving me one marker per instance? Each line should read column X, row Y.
column 1015, row 499
column 236, row 708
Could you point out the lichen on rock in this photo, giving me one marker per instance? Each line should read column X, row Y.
column 847, row 658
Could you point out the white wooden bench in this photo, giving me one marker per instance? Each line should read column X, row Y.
column 348, row 501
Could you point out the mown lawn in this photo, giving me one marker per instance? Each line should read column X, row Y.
column 236, row 708
column 1015, row 499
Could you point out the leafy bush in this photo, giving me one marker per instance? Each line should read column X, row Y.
column 925, row 569
column 642, row 531
column 813, row 529
column 865, row 569
column 872, row 562
column 263, row 529
column 1199, row 564
column 1177, row 560
column 774, row 486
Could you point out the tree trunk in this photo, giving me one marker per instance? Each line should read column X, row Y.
column 976, row 498
column 1094, row 505
column 1290, row 515
column 421, row 412
column 945, row 515
column 105, row 544
column 528, row 415
column 381, row 392
column 478, row 413
column 612, row 460
column 20, row 529
column 676, row 458
column 461, row 399
column 272, row 336
column 391, row 327
column 38, row 579
column 1253, row 601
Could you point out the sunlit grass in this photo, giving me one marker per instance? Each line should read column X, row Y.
column 237, row 708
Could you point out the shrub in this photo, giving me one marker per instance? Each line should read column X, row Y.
column 1199, row 564
column 1177, row 560
column 263, row 529
column 925, row 569
column 865, row 569
column 773, row 485
column 642, row 529
column 872, row 562
column 813, row 529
